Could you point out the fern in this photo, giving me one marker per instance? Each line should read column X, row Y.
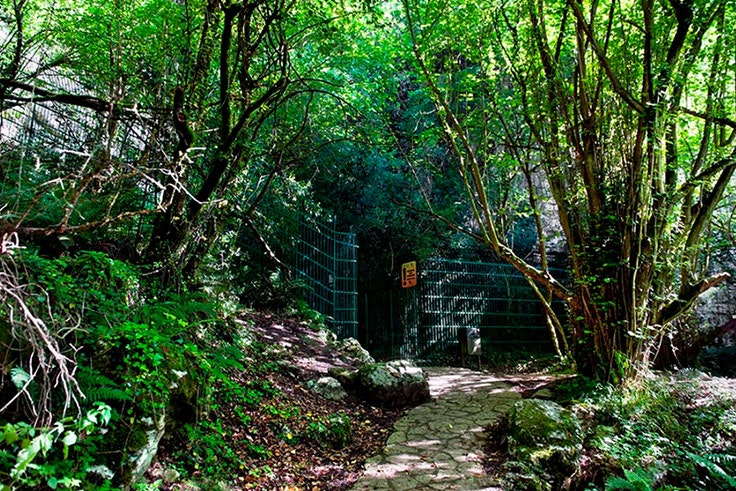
column 228, row 356
column 713, row 464
column 724, row 459
column 636, row 480
column 97, row 387
column 620, row 483
column 106, row 394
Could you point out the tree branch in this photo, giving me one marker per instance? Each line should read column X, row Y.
column 62, row 228
column 709, row 117
column 603, row 60
column 43, row 95
column 688, row 295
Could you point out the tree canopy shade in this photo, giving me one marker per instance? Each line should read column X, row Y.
column 166, row 122
column 627, row 110
column 181, row 112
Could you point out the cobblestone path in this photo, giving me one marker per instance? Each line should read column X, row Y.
column 438, row 445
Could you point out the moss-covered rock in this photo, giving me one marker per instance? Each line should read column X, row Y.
column 545, row 435
column 139, row 459
column 523, row 477
column 327, row 387
column 353, row 353
column 137, row 443
column 394, row 384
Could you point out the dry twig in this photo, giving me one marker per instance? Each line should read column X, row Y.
column 50, row 364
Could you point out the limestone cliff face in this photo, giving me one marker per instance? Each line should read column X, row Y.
column 717, row 307
column 702, row 337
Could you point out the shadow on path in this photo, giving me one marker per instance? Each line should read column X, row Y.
column 438, row 445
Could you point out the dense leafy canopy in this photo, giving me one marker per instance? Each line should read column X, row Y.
column 155, row 151
column 183, row 135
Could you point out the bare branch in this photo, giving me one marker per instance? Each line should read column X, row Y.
column 48, row 364
column 688, row 295
column 709, row 117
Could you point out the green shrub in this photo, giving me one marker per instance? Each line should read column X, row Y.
column 64, row 456
column 335, row 430
column 658, row 438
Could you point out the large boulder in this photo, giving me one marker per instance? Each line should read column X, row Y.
column 393, row 384
column 353, row 353
column 545, row 435
column 327, row 387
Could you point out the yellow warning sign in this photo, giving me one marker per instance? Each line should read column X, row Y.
column 409, row 274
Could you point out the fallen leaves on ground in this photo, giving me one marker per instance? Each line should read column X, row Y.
column 285, row 441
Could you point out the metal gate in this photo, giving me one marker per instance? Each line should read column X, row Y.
column 451, row 295
column 326, row 261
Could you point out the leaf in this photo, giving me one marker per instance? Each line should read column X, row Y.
column 19, row 377
column 45, row 442
column 710, row 463
column 10, row 435
column 70, row 438
column 25, row 457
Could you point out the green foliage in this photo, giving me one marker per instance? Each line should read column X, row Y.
column 226, row 403
column 132, row 349
column 251, row 394
column 282, row 411
column 659, row 439
column 97, row 387
column 637, row 480
column 209, row 451
column 576, row 388
column 148, row 355
column 142, row 33
column 334, row 430
column 88, row 286
column 138, row 353
column 65, row 456
column 314, row 318
column 720, row 469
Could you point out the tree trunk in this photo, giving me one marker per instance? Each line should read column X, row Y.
column 601, row 90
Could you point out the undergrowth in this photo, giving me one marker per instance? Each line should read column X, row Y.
column 667, row 432
column 147, row 358
column 144, row 354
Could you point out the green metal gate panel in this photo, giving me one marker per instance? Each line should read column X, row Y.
column 455, row 294
column 326, row 261
column 492, row 297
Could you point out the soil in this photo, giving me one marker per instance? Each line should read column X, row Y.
column 283, row 447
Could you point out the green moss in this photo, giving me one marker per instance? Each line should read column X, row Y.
column 546, row 435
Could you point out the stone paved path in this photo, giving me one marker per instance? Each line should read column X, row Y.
column 438, row 445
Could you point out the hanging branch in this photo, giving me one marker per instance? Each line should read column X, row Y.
column 50, row 366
